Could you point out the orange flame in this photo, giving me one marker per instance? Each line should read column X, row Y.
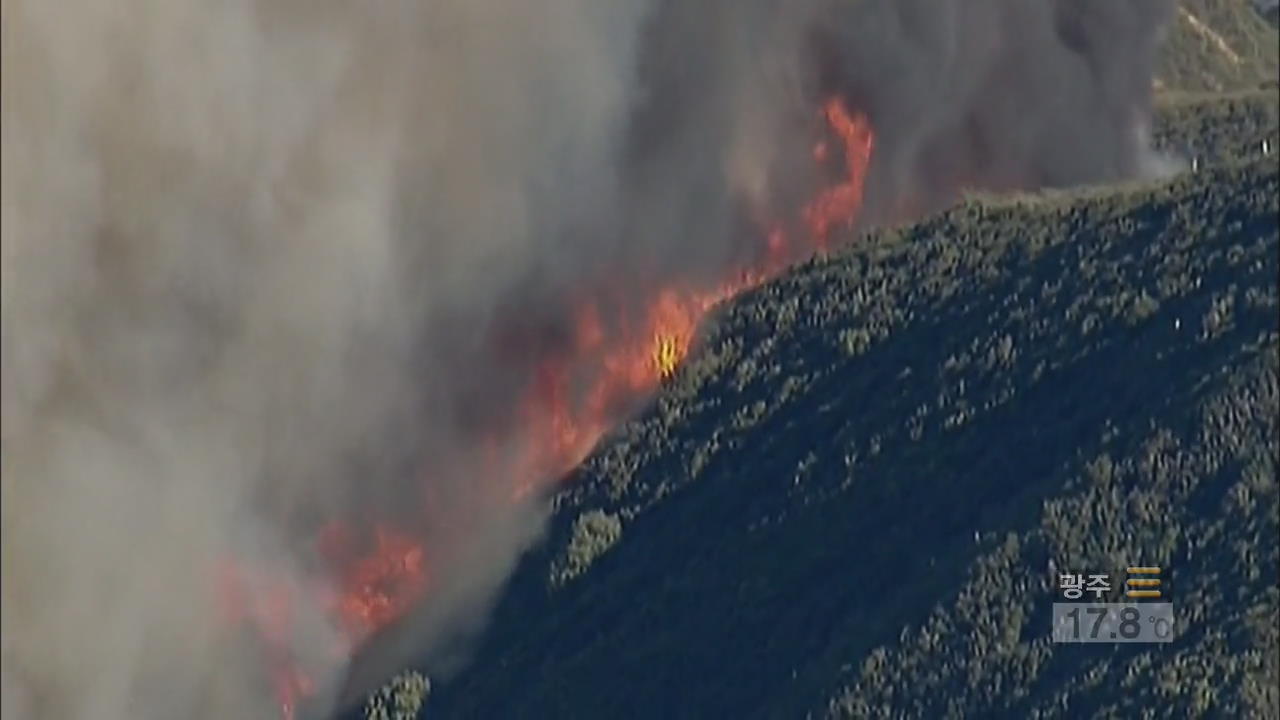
column 840, row 204
column 266, row 606
column 630, row 365
column 572, row 401
column 376, row 586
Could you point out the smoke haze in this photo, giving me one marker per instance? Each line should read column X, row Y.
column 270, row 263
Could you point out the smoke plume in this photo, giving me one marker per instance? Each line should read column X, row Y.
column 271, row 263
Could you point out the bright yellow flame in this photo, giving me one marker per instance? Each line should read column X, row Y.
column 667, row 354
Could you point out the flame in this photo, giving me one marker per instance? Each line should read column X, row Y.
column 377, row 586
column 840, row 204
column 573, row 398
column 667, row 353
column 630, row 363
column 266, row 605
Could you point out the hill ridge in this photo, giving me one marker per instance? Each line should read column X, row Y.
column 675, row 507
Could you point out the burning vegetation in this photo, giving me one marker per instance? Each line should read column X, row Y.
column 307, row 306
column 573, row 399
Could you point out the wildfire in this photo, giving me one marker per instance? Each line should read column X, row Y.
column 573, row 399
column 840, row 204
column 667, row 353
column 376, row 586
column 266, row 605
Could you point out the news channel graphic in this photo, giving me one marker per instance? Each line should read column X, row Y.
column 1131, row 608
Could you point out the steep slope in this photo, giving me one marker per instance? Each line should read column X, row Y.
column 1213, row 128
column 1217, row 45
column 850, row 501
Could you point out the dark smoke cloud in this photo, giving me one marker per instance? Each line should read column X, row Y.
column 998, row 94
column 270, row 263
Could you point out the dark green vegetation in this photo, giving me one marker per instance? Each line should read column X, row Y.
column 848, row 503
column 1219, row 128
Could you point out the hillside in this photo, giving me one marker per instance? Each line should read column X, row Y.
column 849, row 502
column 1219, row 128
column 1218, row 45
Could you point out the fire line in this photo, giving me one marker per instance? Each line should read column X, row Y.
column 380, row 582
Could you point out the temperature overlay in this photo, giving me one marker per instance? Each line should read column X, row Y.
column 1144, row 622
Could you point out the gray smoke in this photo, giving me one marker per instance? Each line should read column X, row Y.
column 267, row 263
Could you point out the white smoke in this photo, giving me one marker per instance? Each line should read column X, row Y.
column 225, row 229
column 256, row 254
